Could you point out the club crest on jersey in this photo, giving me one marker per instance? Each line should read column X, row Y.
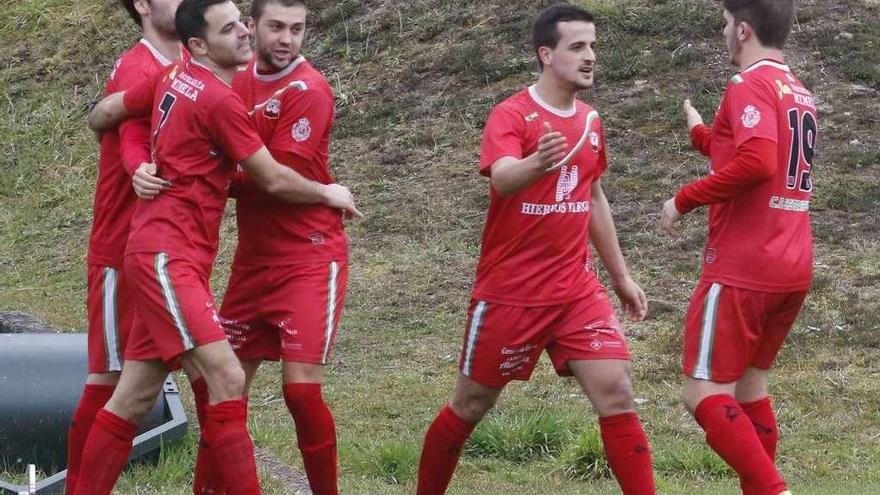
column 301, row 130
column 272, row 109
column 594, row 140
column 751, row 116
column 530, row 117
column 566, row 183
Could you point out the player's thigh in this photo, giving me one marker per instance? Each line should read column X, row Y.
column 722, row 328
column 175, row 304
column 306, row 307
column 110, row 310
column 503, row 343
column 781, row 312
column 221, row 369
column 588, row 329
column 296, row 372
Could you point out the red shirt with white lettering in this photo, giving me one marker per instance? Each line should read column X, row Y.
column 293, row 112
column 122, row 150
column 761, row 239
column 535, row 248
column 200, row 130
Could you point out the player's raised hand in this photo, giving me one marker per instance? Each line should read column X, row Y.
column 669, row 216
column 633, row 299
column 339, row 196
column 691, row 114
column 146, row 184
column 551, row 147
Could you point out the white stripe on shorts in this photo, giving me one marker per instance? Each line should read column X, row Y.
column 331, row 310
column 703, row 369
column 171, row 300
column 111, row 327
column 473, row 335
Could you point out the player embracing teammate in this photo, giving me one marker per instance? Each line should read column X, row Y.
column 758, row 259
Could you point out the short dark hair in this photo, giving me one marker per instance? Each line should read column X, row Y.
column 771, row 19
column 189, row 22
column 132, row 12
column 257, row 6
column 545, row 30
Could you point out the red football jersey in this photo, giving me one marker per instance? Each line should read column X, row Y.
column 114, row 196
column 535, row 243
column 293, row 112
column 762, row 240
column 200, row 130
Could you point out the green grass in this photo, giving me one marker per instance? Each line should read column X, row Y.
column 414, row 82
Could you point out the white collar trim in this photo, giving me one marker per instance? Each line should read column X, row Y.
column 771, row 63
column 162, row 59
column 280, row 74
column 565, row 113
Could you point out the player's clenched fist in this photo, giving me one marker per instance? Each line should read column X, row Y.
column 146, row 184
column 551, row 147
column 339, row 196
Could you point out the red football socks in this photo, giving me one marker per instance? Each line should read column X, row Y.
column 93, row 399
column 208, row 478
column 628, row 453
column 730, row 433
column 229, row 440
column 764, row 419
column 105, row 453
column 444, row 442
column 315, row 435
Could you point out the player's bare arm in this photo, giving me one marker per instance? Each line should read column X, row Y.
column 603, row 235
column 510, row 176
column 290, row 186
column 109, row 112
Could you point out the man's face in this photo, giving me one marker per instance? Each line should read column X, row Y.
column 161, row 15
column 573, row 60
column 279, row 34
column 731, row 38
column 226, row 38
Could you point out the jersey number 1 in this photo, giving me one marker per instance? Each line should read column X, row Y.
column 803, row 142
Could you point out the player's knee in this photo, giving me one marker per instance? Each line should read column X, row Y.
column 472, row 408
column 613, row 396
column 134, row 405
column 228, row 383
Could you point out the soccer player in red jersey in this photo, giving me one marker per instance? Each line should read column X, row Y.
column 288, row 280
column 544, row 153
column 757, row 264
column 110, row 306
column 200, row 129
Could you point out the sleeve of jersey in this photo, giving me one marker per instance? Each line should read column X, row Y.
column 751, row 108
column 701, row 139
column 305, row 118
column 138, row 100
column 502, row 136
column 231, row 129
column 134, row 141
column 753, row 163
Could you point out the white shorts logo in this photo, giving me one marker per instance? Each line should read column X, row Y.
column 751, row 116
column 301, row 130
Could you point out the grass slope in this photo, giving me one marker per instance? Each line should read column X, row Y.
column 414, row 82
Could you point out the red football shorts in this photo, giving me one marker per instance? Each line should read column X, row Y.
column 728, row 329
column 287, row 312
column 503, row 343
column 110, row 308
column 175, row 308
